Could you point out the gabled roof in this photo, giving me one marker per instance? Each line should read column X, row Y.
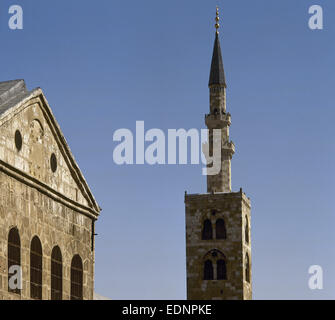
column 13, row 94
column 217, row 76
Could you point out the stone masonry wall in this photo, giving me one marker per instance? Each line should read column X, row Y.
column 232, row 207
column 38, row 143
column 34, row 213
column 42, row 202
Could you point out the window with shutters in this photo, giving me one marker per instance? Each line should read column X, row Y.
column 56, row 274
column 76, row 278
column 14, row 259
column 36, row 269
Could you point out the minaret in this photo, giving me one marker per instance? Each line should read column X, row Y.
column 218, row 118
column 218, row 236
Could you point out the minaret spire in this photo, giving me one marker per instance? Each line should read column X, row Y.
column 217, row 76
column 218, row 118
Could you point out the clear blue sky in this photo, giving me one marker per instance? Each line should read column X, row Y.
column 105, row 64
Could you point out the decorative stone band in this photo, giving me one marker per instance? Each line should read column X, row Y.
column 45, row 189
column 217, row 88
column 217, row 120
column 202, row 200
column 37, row 96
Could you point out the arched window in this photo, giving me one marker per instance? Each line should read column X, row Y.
column 56, row 274
column 247, row 268
column 221, row 270
column 208, row 270
column 207, row 232
column 14, row 261
column 246, row 230
column 220, row 229
column 76, row 278
column 36, row 269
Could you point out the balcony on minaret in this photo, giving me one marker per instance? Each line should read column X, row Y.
column 229, row 147
column 217, row 120
column 218, row 267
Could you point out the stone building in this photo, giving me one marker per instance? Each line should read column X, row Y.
column 218, row 242
column 47, row 211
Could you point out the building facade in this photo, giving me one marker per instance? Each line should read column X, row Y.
column 47, row 211
column 218, row 238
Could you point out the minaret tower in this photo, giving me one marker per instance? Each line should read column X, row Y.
column 218, row 118
column 218, row 237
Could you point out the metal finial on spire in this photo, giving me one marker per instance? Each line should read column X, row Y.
column 217, row 76
column 217, row 19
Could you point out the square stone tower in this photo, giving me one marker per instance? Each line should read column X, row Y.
column 218, row 239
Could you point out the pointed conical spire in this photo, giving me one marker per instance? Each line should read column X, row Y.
column 217, row 76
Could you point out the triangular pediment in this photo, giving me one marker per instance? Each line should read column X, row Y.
column 32, row 145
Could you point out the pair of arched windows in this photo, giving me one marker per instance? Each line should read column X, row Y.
column 220, row 230
column 57, row 276
column 36, row 269
column 221, row 270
